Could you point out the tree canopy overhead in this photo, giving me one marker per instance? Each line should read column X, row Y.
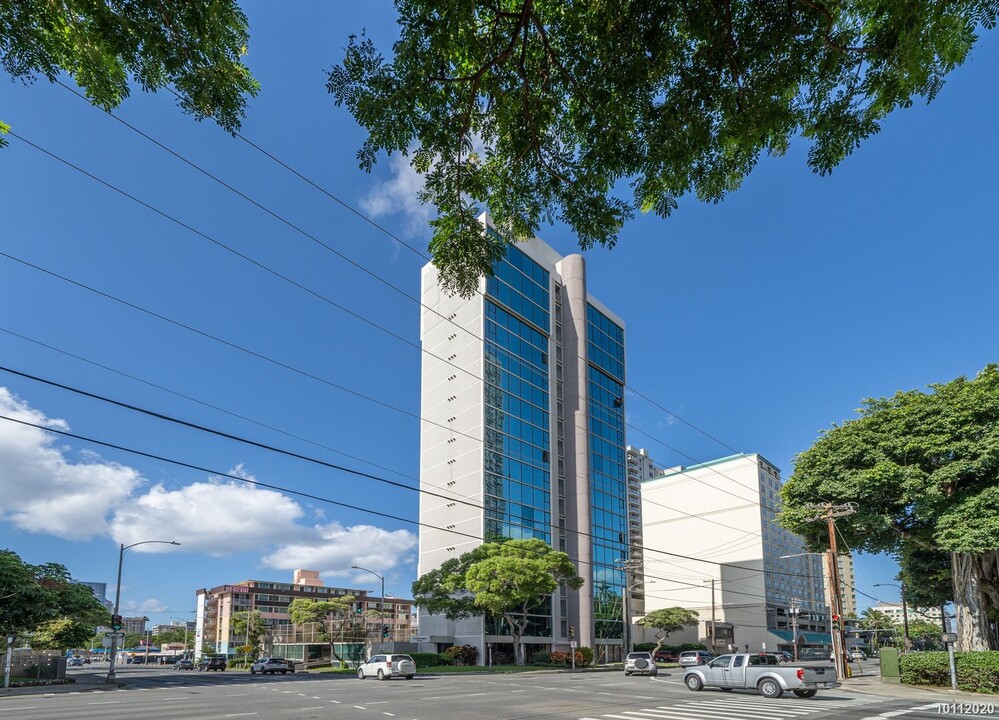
column 195, row 48
column 541, row 109
column 923, row 470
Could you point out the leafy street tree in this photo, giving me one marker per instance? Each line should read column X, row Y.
column 330, row 616
column 62, row 634
column 503, row 579
column 666, row 621
column 542, row 109
column 31, row 595
column 193, row 48
column 925, row 635
column 926, row 573
column 887, row 631
column 922, row 468
column 248, row 625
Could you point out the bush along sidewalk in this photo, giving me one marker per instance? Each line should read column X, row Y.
column 976, row 671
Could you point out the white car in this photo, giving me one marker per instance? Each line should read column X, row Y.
column 271, row 665
column 387, row 666
column 858, row 655
column 640, row 662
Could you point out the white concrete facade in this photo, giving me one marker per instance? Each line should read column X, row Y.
column 720, row 514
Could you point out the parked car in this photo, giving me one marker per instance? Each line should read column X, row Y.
column 665, row 656
column 215, row 662
column 385, row 667
column 784, row 656
column 858, row 654
column 811, row 654
column 184, row 664
column 760, row 671
column 640, row 662
column 694, row 657
column 272, row 665
column 75, row 662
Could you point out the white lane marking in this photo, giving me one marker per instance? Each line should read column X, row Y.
column 316, row 697
column 389, row 714
column 239, row 714
column 896, row 713
column 106, row 702
column 238, row 695
column 751, row 705
column 20, row 707
column 513, row 691
column 475, row 694
column 335, row 701
column 313, row 708
column 435, row 697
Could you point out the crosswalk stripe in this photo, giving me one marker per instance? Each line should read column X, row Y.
column 746, row 710
column 760, row 706
column 724, row 713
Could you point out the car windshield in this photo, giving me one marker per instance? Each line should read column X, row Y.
column 402, row 658
column 635, row 656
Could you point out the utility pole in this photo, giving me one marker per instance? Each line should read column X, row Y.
column 794, row 610
column 714, row 618
column 829, row 513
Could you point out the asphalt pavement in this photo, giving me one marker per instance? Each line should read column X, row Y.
column 150, row 692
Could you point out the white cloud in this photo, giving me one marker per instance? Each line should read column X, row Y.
column 399, row 195
column 150, row 605
column 214, row 517
column 43, row 490
column 334, row 548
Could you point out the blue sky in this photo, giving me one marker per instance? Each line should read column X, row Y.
column 760, row 320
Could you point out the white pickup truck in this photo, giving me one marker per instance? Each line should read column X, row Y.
column 760, row 671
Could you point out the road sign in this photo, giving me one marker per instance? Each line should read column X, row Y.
column 106, row 642
column 120, row 636
column 949, row 637
column 573, row 644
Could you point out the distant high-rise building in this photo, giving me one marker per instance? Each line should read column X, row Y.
column 134, row 624
column 847, row 583
column 640, row 468
column 721, row 516
column 100, row 592
column 523, row 412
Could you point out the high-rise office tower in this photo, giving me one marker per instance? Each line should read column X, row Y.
column 523, row 420
column 640, row 468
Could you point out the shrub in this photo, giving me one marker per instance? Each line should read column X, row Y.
column 425, row 660
column 584, row 656
column 464, row 654
column 645, row 647
column 541, row 658
column 691, row 646
column 976, row 671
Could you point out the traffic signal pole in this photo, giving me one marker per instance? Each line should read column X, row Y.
column 117, row 615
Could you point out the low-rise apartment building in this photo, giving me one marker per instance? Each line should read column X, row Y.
column 374, row 619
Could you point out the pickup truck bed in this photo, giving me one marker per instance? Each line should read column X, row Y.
column 760, row 671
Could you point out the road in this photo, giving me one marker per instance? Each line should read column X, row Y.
column 163, row 693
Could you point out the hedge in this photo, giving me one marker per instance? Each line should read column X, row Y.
column 426, row 660
column 976, row 671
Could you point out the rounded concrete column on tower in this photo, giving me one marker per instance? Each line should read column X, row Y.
column 577, row 455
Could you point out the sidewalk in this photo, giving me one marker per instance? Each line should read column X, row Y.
column 870, row 683
column 85, row 682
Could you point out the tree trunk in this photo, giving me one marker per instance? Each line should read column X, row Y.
column 976, row 596
column 516, row 633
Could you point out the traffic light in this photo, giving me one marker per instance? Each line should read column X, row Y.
column 572, row 632
column 385, row 632
column 835, row 622
column 358, row 608
column 116, row 622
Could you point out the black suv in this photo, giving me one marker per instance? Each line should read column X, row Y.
column 215, row 662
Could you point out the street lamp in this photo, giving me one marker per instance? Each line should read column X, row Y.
column 117, row 598
column 905, row 613
column 381, row 599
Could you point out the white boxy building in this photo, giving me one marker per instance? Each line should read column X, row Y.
column 720, row 514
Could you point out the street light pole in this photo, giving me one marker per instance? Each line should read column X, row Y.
column 185, row 632
column 906, row 642
column 381, row 599
column 117, row 599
